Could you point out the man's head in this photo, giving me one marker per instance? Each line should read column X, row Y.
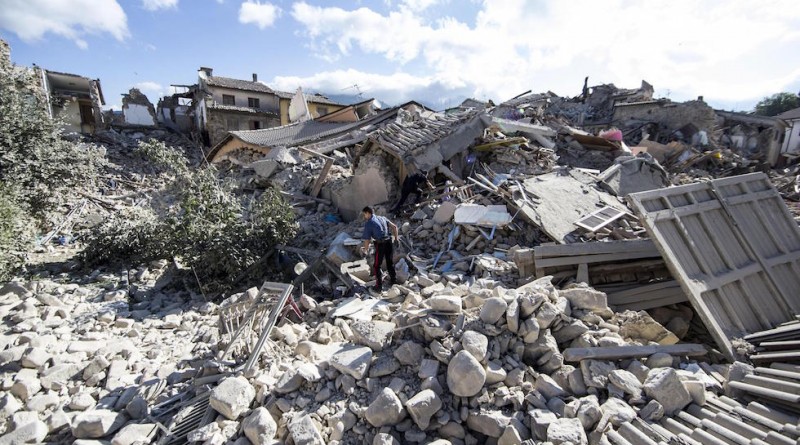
column 367, row 212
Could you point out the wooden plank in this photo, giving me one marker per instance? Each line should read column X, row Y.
column 589, row 259
column 594, row 248
column 323, row 175
column 645, row 288
column 623, row 352
column 784, row 345
column 650, row 304
column 697, row 234
column 671, row 293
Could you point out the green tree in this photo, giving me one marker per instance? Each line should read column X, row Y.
column 777, row 104
column 38, row 169
column 205, row 222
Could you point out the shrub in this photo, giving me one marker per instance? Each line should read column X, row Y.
column 15, row 233
column 38, row 168
column 206, row 223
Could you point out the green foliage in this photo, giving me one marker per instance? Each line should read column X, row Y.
column 777, row 104
column 38, row 168
column 34, row 157
column 207, row 224
column 163, row 158
column 15, row 233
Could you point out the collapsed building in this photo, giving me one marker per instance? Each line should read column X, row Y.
column 216, row 105
column 563, row 283
column 74, row 99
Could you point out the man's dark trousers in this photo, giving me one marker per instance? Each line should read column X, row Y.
column 383, row 250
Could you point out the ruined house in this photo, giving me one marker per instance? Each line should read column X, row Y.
column 664, row 120
column 324, row 135
column 176, row 111
column 318, row 105
column 790, row 147
column 752, row 136
column 223, row 104
column 137, row 109
column 74, row 99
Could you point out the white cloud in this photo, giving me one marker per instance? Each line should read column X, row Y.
column 392, row 88
column 260, row 14
column 155, row 5
column 419, row 5
column 149, row 86
column 725, row 51
column 71, row 19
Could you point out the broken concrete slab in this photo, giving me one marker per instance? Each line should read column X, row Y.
column 632, row 174
column 375, row 334
column 353, row 360
column 480, row 215
column 562, row 199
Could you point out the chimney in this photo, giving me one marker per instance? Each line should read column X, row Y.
column 208, row 71
column 255, row 77
column 700, row 98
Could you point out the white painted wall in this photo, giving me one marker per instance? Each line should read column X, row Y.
column 136, row 114
column 71, row 115
column 791, row 141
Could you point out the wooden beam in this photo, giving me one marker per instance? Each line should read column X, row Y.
column 594, row 248
column 323, row 175
column 306, row 252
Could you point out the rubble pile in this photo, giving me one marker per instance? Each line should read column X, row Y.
column 81, row 359
column 438, row 359
column 541, row 297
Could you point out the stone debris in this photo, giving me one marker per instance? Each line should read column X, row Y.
column 466, row 349
column 232, row 397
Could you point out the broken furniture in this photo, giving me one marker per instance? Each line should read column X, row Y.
column 733, row 246
column 257, row 320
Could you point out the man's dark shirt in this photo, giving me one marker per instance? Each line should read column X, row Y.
column 377, row 228
column 413, row 182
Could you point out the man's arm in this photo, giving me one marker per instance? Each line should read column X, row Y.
column 393, row 228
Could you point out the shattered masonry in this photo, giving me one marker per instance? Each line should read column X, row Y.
column 609, row 268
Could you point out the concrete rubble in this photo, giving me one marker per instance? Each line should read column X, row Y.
column 519, row 317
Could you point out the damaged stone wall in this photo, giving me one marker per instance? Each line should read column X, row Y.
column 137, row 109
column 221, row 122
column 373, row 182
column 670, row 116
column 174, row 115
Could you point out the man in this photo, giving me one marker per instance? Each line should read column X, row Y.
column 412, row 184
column 378, row 228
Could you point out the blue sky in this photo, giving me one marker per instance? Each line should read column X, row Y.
column 438, row 51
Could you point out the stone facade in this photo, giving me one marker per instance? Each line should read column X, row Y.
column 670, row 116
